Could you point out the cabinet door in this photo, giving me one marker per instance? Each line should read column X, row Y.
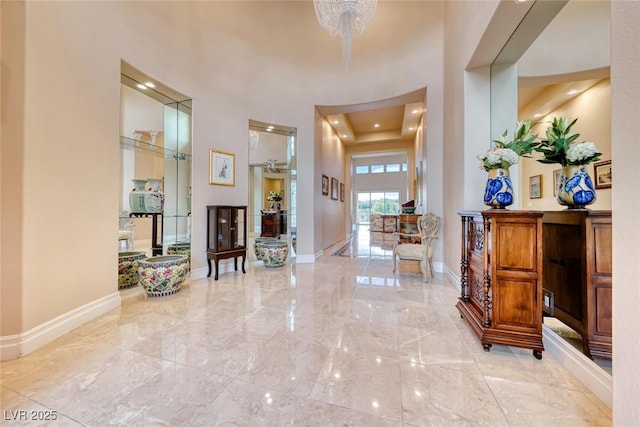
column 225, row 228
column 239, row 228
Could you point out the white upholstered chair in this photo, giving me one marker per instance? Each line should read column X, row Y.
column 417, row 247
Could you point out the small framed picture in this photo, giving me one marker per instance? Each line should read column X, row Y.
column 334, row 188
column 556, row 180
column 325, row 185
column 342, row 191
column 222, row 168
column 535, row 187
column 602, row 171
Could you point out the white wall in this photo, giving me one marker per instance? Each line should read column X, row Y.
column 625, row 110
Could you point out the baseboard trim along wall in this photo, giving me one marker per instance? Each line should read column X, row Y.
column 18, row 345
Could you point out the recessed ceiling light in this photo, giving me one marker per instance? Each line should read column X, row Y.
column 335, row 122
column 344, row 136
column 141, row 86
column 411, row 128
column 573, row 92
column 149, row 84
column 416, row 111
column 536, row 115
column 270, row 128
column 376, row 125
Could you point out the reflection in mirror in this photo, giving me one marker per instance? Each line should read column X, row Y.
column 272, row 183
column 558, row 61
column 155, row 142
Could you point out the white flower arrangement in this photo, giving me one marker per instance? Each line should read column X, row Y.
column 274, row 196
column 497, row 158
column 581, row 153
column 561, row 146
column 507, row 152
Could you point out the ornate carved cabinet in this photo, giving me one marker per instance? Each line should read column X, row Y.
column 577, row 270
column 501, row 282
column 226, row 235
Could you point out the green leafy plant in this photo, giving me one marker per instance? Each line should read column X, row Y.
column 560, row 146
column 507, row 152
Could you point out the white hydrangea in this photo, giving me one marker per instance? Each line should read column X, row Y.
column 499, row 155
column 581, row 152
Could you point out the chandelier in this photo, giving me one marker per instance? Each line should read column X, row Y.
column 344, row 18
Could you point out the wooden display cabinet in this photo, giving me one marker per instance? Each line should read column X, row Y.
column 408, row 224
column 501, row 281
column 577, row 271
column 226, row 235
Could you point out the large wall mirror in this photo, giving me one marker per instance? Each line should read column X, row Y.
column 155, row 147
column 557, row 64
column 272, row 182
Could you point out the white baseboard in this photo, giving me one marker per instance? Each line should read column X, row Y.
column 585, row 370
column 596, row 379
column 307, row 259
column 18, row 345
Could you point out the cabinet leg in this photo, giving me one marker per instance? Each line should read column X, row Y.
column 243, row 264
column 235, row 263
column 216, row 275
column 537, row 354
column 486, row 346
column 209, row 262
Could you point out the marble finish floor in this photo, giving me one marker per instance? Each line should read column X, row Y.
column 340, row 342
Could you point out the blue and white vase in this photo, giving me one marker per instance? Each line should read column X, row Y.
column 575, row 189
column 499, row 191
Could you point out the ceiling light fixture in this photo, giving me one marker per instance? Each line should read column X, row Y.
column 572, row 92
column 344, row 18
column 150, row 84
column 376, row 125
column 141, row 86
column 415, row 111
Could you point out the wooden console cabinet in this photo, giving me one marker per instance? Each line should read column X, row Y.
column 577, row 270
column 273, row 224
column 226, row 235
column 501, row 280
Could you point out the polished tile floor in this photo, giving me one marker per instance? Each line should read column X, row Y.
column 340, row 342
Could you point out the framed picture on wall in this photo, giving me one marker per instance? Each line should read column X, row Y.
column 602, row 172
column 556, row 180
column 535, row 187
column 222, row 168
column 325, row 185
column 342, row 191
column 334, row 188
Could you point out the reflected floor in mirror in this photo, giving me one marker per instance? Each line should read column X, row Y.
column 575, row 339
column 342, row 341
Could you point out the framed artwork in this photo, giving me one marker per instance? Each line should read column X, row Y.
column 556, row 180
column 602, row 171
column 342, row 191
column 222, row 168
column 535, row 186
column 334, row 188
column 325, row 185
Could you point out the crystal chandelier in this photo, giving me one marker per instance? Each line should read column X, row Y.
column 344, row 18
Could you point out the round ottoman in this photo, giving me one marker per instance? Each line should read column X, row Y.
column 162, row 275
column 274, row 253
column 128, row 268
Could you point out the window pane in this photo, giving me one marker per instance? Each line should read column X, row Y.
column 377, row 168
column 364, row 207
column 393, row 167
column 362, row 169
column 404, row 167
column 377, row 203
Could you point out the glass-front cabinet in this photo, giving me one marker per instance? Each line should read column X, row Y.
column 155, row 146
column 226, row 235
